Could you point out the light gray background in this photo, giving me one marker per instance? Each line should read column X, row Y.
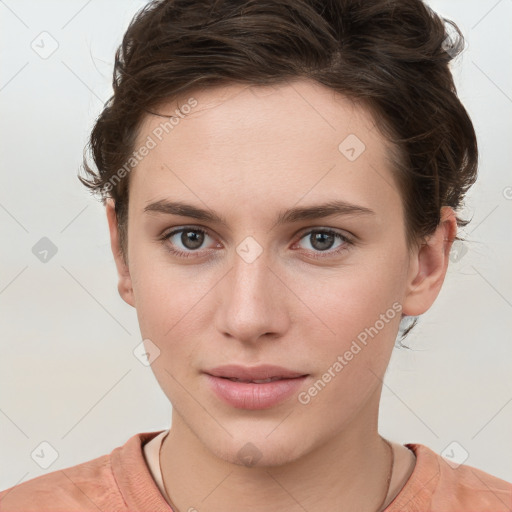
column 68, row 373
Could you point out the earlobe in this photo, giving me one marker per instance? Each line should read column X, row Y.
column 124, row 284
column 428, row 270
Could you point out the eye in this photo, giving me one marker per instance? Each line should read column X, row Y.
column 185, row 241
column 322, row 240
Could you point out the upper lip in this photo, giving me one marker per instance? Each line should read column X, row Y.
column 261, row 372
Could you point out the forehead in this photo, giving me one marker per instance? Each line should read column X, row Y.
column 293, row 111
column 242, row 144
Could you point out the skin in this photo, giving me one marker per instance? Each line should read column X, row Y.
column 248, row 153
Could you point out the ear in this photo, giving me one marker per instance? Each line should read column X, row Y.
column 124, row 285
column 428, row 266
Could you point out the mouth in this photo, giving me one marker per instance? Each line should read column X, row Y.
column 257, row 381
column 256, row 374
column 260, row 381
column 254, row 388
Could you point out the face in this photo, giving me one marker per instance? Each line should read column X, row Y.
column 267, row 279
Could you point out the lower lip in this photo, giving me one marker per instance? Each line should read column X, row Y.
column 253, row 396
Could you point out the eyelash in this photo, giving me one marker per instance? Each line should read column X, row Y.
column 348, row 242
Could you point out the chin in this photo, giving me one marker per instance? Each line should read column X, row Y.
column 257, row 450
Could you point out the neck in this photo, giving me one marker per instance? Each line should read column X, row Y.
column 347, row 472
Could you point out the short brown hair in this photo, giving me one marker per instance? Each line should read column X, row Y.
column 391, row 55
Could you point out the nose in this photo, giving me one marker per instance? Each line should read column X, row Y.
column 253, row 302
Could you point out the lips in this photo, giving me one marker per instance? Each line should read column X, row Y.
column 255, row 381
column 255, row 374
column 254, row 388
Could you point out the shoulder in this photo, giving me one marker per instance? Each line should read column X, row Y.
column 445, row 486
column 82, row 487
column 471, row 488
column 118, row 482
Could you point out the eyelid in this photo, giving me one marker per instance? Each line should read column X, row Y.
column 348, row 241
column 341, row 232
column 301, row 233
column 178, row 229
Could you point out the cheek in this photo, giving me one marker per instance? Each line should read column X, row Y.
column 359, row 307
column 173, row 303
column 363, row 328
column 364, row 315
column 355, row 294
column 166, row 309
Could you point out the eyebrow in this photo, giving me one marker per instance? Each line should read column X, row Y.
column 291, row 215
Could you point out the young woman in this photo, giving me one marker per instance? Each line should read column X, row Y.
column 281, row 181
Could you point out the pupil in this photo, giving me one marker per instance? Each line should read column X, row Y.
column 193, row 241
column 321, row 237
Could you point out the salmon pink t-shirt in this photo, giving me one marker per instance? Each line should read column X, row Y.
column 129, row 480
